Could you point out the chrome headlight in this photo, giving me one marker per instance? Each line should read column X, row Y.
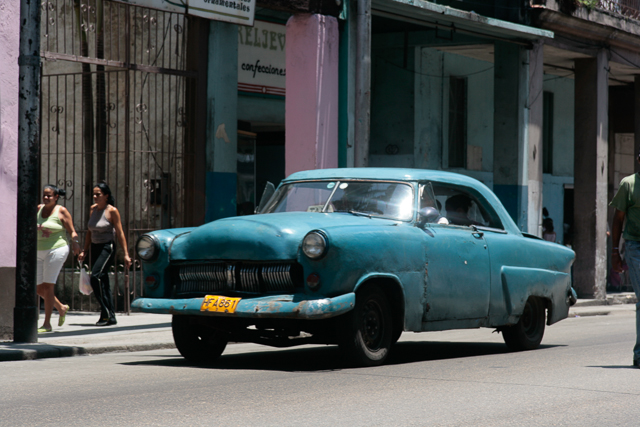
column 147, row 247
column 314, row 245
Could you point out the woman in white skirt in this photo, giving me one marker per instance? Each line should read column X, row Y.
column 54, row 222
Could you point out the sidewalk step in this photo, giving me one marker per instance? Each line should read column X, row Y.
column 612, row 299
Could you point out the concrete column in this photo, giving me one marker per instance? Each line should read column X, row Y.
column 510, row 174
column 347, row 84
column 428, row 113
column 194, row 166
column 590, row 175
column 363, row 84
column 534, row 145
column 222, row 123
column 311, row 117
column 636, row 122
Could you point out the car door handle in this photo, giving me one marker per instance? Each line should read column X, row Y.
column 477, row 233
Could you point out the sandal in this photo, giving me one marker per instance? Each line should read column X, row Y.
column 62, row 317
column 43, row 329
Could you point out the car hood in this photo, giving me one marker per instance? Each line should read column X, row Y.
column 261, row 237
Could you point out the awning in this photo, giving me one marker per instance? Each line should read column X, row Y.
column 447, row 18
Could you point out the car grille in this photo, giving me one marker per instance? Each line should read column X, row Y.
column 230, row 277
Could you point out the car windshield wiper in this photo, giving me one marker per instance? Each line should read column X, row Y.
column 352, row 212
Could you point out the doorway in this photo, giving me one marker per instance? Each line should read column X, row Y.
column 260, row 160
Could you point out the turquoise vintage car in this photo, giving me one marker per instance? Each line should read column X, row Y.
column 355, row 257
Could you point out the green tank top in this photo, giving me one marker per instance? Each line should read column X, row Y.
column 51, row 231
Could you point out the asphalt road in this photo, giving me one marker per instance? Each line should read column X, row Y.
column 581, row 376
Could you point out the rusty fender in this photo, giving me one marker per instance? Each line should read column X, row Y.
column 275, row 307
column 518, row 283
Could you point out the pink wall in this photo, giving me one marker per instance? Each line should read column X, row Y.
column 9, row 44
column 311, row 117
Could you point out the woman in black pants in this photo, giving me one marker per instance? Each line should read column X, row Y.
column 103, row 229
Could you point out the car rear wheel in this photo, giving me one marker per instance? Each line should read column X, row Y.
column 527, row 333
column 367, row 331
column 196, row 342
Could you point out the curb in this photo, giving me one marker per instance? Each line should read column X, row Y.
column 588, row 313
column 610, row 300
column 40, row 351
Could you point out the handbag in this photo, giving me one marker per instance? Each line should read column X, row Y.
column 85, row 281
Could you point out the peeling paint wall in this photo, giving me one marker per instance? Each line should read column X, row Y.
column 480, row 106
column 9, row 43
column 563, row 125
column 402, row 137
column 392, row 108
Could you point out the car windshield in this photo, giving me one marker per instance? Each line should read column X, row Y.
column 370, row 198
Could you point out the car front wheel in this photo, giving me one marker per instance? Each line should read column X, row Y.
column 196, row 342
column 527, row 333
column 366, row 331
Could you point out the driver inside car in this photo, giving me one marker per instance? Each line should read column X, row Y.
column 458, row 209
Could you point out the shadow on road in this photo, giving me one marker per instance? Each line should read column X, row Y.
column 614, row 367
column 330, row 358
column 410, row 352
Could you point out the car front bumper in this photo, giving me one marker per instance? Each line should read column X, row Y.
column 275, row 307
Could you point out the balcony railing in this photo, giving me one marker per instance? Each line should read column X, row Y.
column 628, row 8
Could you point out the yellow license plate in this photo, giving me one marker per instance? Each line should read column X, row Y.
column 219, row 304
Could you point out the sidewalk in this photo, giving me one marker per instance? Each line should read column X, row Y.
column 142, row 331
column 79, row 336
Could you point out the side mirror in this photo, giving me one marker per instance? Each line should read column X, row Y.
column 269, row 189
column 428, row 214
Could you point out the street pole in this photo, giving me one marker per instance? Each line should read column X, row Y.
column 25, row 312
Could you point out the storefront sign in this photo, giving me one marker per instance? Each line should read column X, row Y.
column 261, row 58
column 239, row 12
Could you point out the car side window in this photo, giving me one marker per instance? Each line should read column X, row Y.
column 463, row 207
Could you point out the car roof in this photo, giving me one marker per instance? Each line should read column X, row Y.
column 407, row 174
column 400, row 174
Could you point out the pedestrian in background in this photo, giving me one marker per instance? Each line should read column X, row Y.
column 103, row 229
column 54, row 223
column 548, row 232
column 627, row 205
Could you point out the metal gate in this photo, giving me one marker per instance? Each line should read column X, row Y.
column 114, row 109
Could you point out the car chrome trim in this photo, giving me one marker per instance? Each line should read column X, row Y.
column 280, row 306
column 156, row 244
column 235, row 276
column 490, row 229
